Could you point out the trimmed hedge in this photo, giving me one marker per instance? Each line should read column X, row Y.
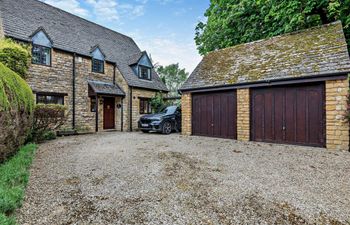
column 16, row 111
column 15, row 56
column 15, row 93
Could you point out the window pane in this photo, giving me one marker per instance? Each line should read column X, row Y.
column 145, row 106
column 97, row 66
column 145, row 73
column 41, row 55
column 50, row 99
column 142, row 106
column 93, row 105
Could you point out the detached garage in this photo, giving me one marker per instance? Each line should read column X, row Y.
column 289, row 89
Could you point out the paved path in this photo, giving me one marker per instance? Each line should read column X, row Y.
column 134, row 178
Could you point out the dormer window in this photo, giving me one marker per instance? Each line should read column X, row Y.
column 41, row 49
column 142, row 66
column 145, row 72
column 98, row 61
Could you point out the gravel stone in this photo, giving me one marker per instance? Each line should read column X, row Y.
column 134, row 178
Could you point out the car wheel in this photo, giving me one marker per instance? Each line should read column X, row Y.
column 166, row 127
column 145, row 131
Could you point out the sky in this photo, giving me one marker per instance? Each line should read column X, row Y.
column 164, row 28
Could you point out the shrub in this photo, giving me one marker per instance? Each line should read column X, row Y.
column 47, row 118
column 15, row 56
column 13, row 180
column 16, row 107
column 157, row 102
column 50, row 135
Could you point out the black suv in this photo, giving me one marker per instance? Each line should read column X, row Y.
column 166, row 121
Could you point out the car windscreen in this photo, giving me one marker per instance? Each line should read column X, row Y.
column 169, row 110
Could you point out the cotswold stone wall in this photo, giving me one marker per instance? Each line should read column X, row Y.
column 119, row 79
column 58, row 78
column 337, row 127
column 136, row 95
column 186, row 107
column 55, row 78
column 85, row 119
column 243, row 115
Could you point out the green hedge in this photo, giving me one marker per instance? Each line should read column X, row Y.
column 13, row 180
column 14, row 91
column 15, row 56
column 16, row 112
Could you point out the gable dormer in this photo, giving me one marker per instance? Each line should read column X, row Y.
column 98, row 60
column 143, row 67
column 41, row 48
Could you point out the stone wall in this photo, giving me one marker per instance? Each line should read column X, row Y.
column 337, row 127
column 186, row 106
column 55, row 78
column 58, row 78
column 243, row 115
column 136, row 95
column 85, row 119
column 119, row 79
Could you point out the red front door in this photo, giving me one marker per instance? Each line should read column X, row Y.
column 108, row 113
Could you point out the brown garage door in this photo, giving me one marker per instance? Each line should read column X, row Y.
column 214, row 114
column 289, row 114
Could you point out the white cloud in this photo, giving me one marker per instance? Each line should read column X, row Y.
column 142, row 1
column 138, row 10
column 166, row 51
column 132, row 10
column 104, row 9
column 72, row 6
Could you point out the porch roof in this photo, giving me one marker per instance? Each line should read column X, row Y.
column 104, row 88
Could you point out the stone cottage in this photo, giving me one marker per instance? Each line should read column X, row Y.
column 289, row 89
column 99, row 74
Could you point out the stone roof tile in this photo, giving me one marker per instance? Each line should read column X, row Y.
column 318, row 50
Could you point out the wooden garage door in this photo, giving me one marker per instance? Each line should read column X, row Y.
column 214, row 114
column 290, row 114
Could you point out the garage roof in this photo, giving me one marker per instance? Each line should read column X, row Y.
column 315, row 51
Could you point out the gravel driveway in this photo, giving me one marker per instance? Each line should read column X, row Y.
column 134, row 178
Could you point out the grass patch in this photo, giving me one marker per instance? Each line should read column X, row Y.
column 14, row 176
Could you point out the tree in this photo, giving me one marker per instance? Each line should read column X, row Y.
column 15, row 56
column 173, row 76
column 232, row 22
